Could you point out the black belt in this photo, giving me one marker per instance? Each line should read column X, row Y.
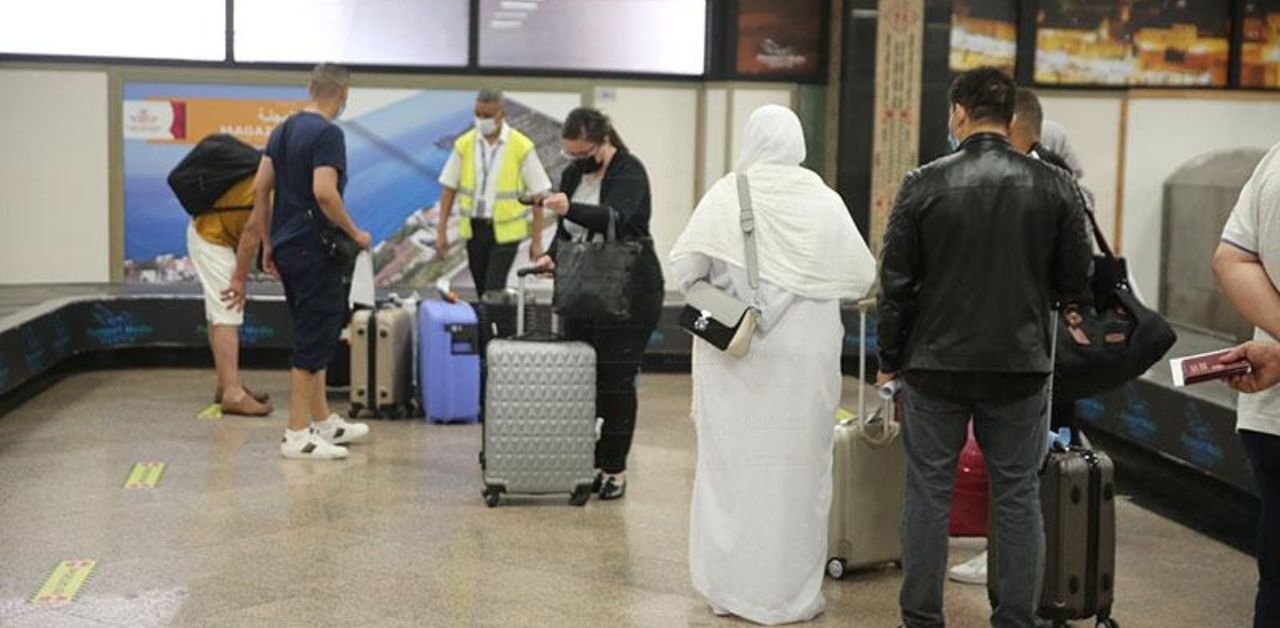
column 481, row 221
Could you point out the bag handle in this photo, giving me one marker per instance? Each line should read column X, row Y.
column 1093, row 222
column 747, row 220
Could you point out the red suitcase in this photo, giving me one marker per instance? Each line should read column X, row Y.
column 972, row 494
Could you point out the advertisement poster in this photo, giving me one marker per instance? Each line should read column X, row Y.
column 1133, row 42
column 398, row 140
column 1260, row 57
column 779, row 37
column 984, row 33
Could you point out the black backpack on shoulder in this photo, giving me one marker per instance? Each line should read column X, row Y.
column 217, row 163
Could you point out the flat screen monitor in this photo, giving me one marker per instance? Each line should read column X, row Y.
column 625, row 36
column 191, row 30
column 431, row 33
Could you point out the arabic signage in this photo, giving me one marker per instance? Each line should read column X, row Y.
column 186, row 121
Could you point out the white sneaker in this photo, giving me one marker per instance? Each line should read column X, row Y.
column 311, row 447
column 972, row 572
column 338, row 431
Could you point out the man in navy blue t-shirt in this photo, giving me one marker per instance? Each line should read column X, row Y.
column 306, row 165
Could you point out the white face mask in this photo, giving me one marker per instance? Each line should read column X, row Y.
column 342, row 109
column 486, row 126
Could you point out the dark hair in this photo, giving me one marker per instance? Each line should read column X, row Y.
column 585, row 123
column 1028, row 112
column 987, row 94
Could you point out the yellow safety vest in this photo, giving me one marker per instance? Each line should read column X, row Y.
column 510, row 218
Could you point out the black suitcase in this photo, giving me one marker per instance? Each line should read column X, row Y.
column 1077, row 496
column 1077, row 499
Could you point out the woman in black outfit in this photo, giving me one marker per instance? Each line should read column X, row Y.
column 604, row 178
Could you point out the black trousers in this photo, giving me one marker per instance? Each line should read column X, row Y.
column 619, row 353
column 489, row 261
column 1264, row 452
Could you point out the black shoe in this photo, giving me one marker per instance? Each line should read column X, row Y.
column 614, row 487
column 598, row 482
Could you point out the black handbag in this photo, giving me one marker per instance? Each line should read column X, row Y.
column 1106, row 344
column 594, row 278
column 716, row 316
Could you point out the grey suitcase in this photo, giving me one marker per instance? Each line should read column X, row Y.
column 539, row 432
column 868, row 481
column 1077, row 495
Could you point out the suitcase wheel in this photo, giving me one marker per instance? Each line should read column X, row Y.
column 490, row 497
column 580, row 495
column 836, row 568
column 353, row 412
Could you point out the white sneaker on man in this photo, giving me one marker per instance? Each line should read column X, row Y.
column 338, row 431
column 973, row 571
column 310, row 446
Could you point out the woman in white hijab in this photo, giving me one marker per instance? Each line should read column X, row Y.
column 758, row 527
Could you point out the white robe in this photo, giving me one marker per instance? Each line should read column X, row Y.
column 761, row 496
column 762, row 493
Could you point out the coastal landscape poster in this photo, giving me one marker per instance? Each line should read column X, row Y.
column 398, row 140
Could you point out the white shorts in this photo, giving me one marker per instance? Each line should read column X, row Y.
column 214, row 264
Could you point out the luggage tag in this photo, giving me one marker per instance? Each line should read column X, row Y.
column 464, row 339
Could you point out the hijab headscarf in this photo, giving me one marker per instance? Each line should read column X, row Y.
column 806, row 241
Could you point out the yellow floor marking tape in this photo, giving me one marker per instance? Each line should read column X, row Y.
column 64, row 582
column 843, row 414
column 144, row 475
column 214, row 411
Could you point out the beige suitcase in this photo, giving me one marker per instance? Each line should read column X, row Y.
column 868, row 481
column 382, row 363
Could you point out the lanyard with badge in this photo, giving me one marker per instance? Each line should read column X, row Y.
column 486, row 161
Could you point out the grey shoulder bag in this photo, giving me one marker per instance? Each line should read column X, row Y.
column 713, row 314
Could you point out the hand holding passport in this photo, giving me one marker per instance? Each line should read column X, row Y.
column 1204, row 367
column 1248, row 368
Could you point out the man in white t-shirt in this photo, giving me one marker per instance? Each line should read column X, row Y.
column 492, row 167
column 1247, row 264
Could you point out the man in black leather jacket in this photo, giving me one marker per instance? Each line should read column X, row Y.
column 980, row 245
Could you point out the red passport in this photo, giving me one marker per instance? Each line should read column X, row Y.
column 1204, row 367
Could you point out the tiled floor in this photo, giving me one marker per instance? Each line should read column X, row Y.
column 398, row 535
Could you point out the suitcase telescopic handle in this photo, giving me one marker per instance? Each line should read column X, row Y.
column 522, row 275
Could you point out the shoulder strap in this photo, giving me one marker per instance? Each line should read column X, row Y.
column 1093, row 220
column 747, row 220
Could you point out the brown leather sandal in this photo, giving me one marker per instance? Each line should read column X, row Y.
column 259, row 397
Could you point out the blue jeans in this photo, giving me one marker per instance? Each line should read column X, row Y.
column 1014, row 440
column 1264, row 452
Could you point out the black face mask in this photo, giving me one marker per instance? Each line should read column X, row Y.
column 589, row 165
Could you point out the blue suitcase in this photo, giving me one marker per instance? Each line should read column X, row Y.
column 449, row 362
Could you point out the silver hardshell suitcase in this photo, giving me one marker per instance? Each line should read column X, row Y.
column 540, row 414
column 868, row 480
